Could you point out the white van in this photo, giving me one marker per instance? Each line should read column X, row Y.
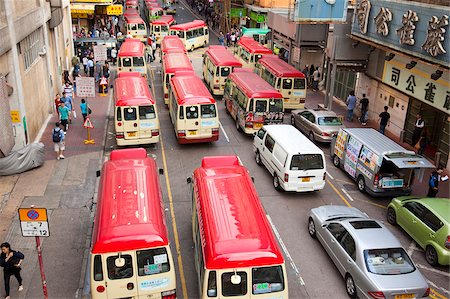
column 295, row 162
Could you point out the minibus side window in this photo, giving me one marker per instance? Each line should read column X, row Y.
column 206, row 31
column 98, row 268
column 287, row 83
column 191, row 112
column 181, row 112
column 114, row 272
column 189, row 34
column 267, row 280
column 119, row 114
column 129, row 113
column 126, row 61
column 229, row 289
column 138, row 61
column 152, row 261
column 278, row 80
column 250, row 106
column 217, row 71
column 147, row 112
column 120, row 62
column 208, row 111
column 212, row 284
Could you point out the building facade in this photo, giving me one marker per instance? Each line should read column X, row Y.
column 35, row 48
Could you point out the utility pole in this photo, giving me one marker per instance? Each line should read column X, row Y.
column 225, row 17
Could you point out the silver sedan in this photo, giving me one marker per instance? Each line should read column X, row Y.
column 317, row 124
column 367, row 254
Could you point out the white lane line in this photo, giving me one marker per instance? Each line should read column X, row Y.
column 433, row 270
column 328, row 174
column 411, row 247
column 223, row 131
column 286, row 252
column 346, row 193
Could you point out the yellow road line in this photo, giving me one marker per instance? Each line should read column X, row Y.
column 374, row 204
column 174, row 223
column 339, row 193
column 434, row 293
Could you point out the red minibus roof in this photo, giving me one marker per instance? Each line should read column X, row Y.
column 134, row 19
column 130, row 11
column 279, row 67
column 172, row 42
column 131, row 47
column 234, row 229
column 132, row 90
column 252, row 46
column 187, row 26
column 131, row 2
column 190, row 89
column 129, row 212
column 222, row 57
column 253, row 85
column 164, row 20
column 173, row 62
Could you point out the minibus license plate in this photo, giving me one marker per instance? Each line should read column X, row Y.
column 193, row 132
column 404, row 296
column 306, row 180
column 131, row 134
column 153, row 296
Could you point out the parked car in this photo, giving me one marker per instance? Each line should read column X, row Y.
column 369, row 257
column 427, row 221
column 317, row 124
column 170, row 9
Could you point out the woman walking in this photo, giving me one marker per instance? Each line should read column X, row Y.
column 11, row 260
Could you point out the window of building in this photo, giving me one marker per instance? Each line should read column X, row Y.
column 30, row 47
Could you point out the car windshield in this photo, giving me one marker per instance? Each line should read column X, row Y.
column 388, row 261
column 329, row 121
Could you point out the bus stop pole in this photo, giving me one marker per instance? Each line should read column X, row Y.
column 41, row 266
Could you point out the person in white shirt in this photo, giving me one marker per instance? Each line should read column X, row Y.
column 114, row 55
column 418, row 127
column 85, row 62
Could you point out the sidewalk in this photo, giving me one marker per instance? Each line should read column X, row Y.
column 420, row 188
column 66, row 188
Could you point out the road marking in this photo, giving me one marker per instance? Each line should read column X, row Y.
column 174, row 223
column 434, row 270
column 346, row 193
column 328, row 174
column 286, row 252
column 223, row 131
column 434, row 294
column 338, row 193
column 343, row 181
column 411, row 247
column 374, row 204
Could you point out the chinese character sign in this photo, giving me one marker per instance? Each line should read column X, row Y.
column 435, row 36
column 362, row 15
column 406, row 32
column 382, row 21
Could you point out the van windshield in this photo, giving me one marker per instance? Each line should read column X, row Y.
column 306, row 162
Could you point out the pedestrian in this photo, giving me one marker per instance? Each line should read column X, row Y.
column 113, row 55
column 68, row 90
column 306, row 71
column 351, row 103
column 57, row 103
column 384, row 119
column 433, row 182
column 316, row 78
column 418, row 127
column 228, row 38
column 221, row 39
column 310, row 75
column 233, row 39
column 423, row 142
column 11, row 260
column 364, row 102
column 84, row 109
column 58, row 140
column 106, row 70
column 91, row 67
column 97, row 71
column 85, row 62
column 68, row 103
column 64, row 116
column 153, row 49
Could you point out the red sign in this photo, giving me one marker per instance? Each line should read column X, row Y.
column 88, row 123
column 103, row 81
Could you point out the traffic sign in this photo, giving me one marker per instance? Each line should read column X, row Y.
column 103, row 81
column 88, row 123
column 85, row 87
column 100, row 54
column 34, row 222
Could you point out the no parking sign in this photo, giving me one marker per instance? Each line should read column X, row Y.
column 34, row 222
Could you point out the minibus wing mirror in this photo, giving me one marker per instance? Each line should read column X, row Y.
column 97, row 173
column 189, row 180
column 161, row 171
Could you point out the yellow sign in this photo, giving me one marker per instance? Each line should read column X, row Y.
column 114, row 10
column 15, row 116
column 93, row 1
column 80, row 15
column 33, row 214
column 82, row 8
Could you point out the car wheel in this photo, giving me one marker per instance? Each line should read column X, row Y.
column 292, row 121
column 204, row 44
column 276, row 182
column 311, row 228
column 238, row 127
column 391, row 217
column 258, row 158
column 192, row 48
column 336, row 161
column 361, row 184
column 311, row 136
column 431, row 255
column 350, row 286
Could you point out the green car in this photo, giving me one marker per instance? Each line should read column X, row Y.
column 427, row 221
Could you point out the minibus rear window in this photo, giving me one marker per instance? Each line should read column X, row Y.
column 229, row 289
column 287, row 83
column 98, row 268
column 126, row 62
column 299, row 83
column 306, row 162
column 156, row 28
column 261, row 106
column 191, row 112
column 129, row 113
column 152, row 261
column 257, row 57
column 267, row 280
column 208, row 111
column 275, row 105
column 115, row 272
column 141, row 26
column 225, row 71
column 138, row 61
column 147, row 112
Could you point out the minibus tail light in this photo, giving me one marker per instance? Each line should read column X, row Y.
column 100, row 289
column 135, row 125
column 427, row 293
column 286, row 177
column 130, row 286
column 172, row 294
column 119, row 124
column 301, row 101
column 447, row 243
column 166, row 96
column 215, row 131
column 119, row 135
column 182, row 133
column 155, row 132
column 376, row 295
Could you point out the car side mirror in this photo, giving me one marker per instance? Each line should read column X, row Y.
column 189, row 180
column 254, row 134
column 161, row 171
column 324, row 225
column 97, row 173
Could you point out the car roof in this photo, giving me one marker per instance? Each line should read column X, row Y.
column 440, row 206
column 294, row 142
column 321, row 112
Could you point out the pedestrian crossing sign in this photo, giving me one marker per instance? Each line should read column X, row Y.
column 103, row 81
column 88, row 123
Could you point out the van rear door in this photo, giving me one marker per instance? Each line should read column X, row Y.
column 306, row 171
column 148, row 122
column 130, row 122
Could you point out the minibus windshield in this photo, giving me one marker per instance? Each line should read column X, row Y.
column 267, row 280
column 306, row 162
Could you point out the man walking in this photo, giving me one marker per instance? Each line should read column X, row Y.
column 433, row 183
column 91, row 67
column 384, row 119
column 351, row 103
column 64, row 116
column 85, row 64
column 68, row 103
column 364, row 108
column 418, row 127
column 221, row 39
column 58, row 141
column 316, row 79
column 114, row 55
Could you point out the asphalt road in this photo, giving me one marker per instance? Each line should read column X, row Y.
column 311, row 273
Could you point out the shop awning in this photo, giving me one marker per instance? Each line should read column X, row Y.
column 82, row 8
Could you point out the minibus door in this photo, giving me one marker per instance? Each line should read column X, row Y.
column 192, row 121
column 147, row 121
column 130, row 123
column 121, row 278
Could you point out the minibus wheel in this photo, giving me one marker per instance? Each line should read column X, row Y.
column 336, row 161
column 237, row 124
column 361, row 184
column 258, row 158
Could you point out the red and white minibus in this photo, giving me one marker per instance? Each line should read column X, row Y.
column 130, row 253
column 173, row 62
column 235, row 252
column 192, row 109
column 172, row 43
column 136, row 27
column 250, row 51
column 135, row 115
column 160, row 27
column 218, row 63
column 251, row 101
column 152, row 11
column 131, row 57
column 194, row 34
column 130, row 12
column 285, row 78
column 131, row 4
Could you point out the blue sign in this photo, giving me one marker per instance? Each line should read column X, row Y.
column 33, row 214
column 322, row 11
column 415, row 28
